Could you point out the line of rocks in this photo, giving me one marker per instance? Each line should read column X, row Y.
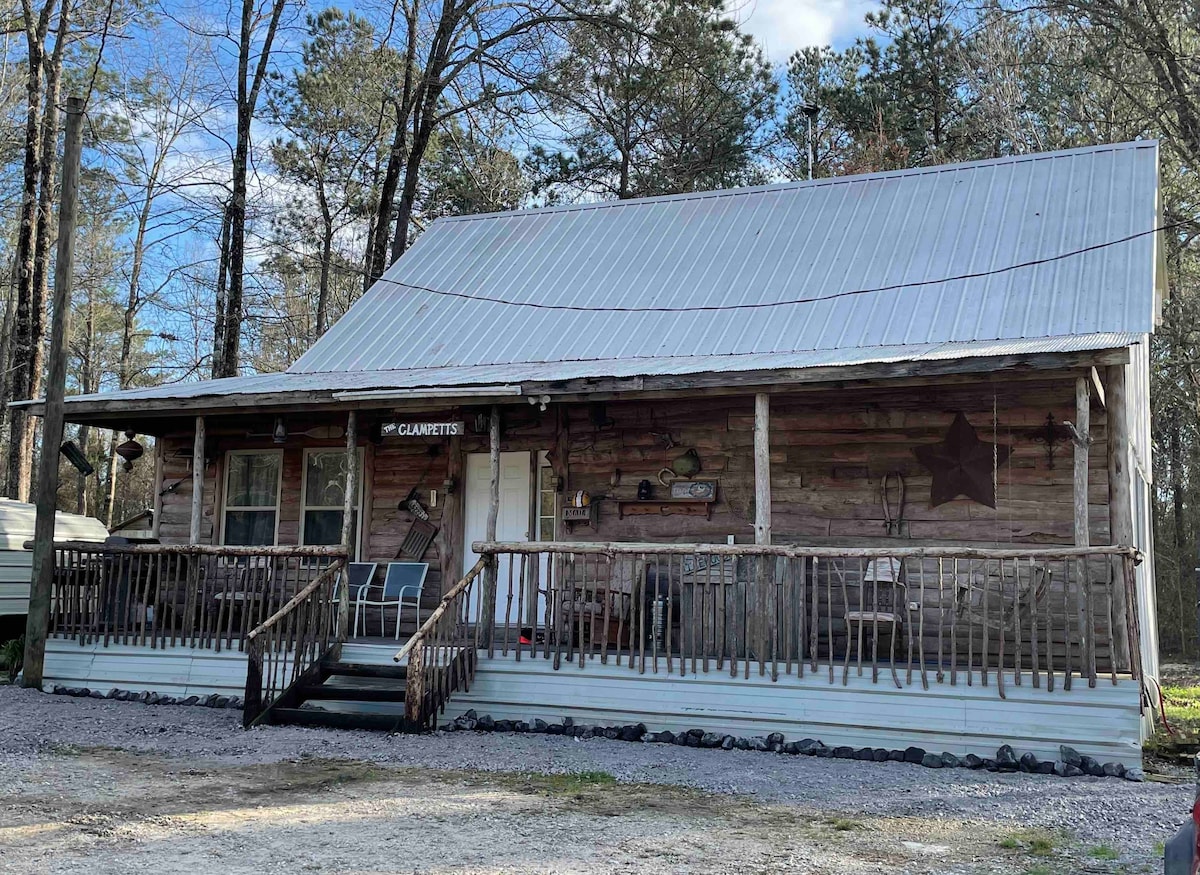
column 146, row 698
column 1070, row 764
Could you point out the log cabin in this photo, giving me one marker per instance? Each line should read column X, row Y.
column 860, row 459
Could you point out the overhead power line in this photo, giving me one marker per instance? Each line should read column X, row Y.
column 763, row 305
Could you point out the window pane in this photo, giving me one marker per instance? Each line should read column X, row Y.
column 325, row 482
column 249, row 527
column 253, row 480
column 322, row 527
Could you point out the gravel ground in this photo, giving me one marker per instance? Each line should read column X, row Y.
column 44, row 733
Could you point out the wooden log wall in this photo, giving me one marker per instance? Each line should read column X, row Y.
column 829, row 450
column 390, row 470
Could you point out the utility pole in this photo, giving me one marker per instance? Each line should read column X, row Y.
column 52, row 423
column 810, row 112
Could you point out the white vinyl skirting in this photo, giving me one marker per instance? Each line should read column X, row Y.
column 1104, row 721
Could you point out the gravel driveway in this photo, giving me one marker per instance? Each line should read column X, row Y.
column 196, row 774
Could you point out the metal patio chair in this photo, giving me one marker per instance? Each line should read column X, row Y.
column 402, row 586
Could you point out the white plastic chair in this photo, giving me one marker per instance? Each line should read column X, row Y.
column 402, row 586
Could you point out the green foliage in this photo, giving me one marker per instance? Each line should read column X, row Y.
column 1037, row 842
column 655, row 97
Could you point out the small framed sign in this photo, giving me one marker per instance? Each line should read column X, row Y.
column 696, row 490
column 585, row 515
column 422, row 429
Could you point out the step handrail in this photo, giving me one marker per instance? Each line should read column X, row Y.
column 293, row 602
column 441, row 658
column 283, row 657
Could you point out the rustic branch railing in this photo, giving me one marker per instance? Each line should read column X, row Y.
column 912, row 615
column 442, row 653
column 157, row 595
column 286, row 649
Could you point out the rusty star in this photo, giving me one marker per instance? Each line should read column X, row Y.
column 962, row 464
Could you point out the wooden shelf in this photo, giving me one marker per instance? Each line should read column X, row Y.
column 664, row 507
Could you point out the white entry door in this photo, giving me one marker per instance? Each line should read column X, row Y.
column 512, row 524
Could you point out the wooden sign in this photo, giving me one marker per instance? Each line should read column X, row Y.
column 422, row 429
column 584, row 515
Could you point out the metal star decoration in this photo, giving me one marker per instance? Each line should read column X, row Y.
column 962, row 464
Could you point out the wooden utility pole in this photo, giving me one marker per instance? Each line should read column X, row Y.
column 52, row 427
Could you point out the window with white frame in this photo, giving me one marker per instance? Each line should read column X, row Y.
column 323, row 498
column 547, row 512
column 252, row 479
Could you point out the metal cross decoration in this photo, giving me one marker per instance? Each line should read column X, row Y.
column 962, row 464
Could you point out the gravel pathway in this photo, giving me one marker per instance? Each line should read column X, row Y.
column 1127, row 816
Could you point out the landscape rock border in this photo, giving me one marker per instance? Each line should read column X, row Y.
column 213, row 700
column 1071, row 763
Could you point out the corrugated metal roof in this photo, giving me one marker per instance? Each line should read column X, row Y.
column 944, row 258
column 904, row 231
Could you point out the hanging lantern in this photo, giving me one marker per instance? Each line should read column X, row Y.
column 130, row 451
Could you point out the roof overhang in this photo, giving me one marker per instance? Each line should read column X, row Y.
column 119, row 410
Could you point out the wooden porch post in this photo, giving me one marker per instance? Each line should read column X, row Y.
column 1120, row 505
column 762, row 468
column 488, row 608
column 348, row 505
column 156, row 521
column 1083, row 444
column 197, row 482
column 451, row 528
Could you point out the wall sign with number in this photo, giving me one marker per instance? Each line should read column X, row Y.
column 422, row 429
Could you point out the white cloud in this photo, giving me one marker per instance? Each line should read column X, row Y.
column 783, row 26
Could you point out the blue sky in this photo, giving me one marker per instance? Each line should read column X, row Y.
column 782, row 26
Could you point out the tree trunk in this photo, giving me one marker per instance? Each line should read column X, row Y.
column 20, row 461
column 6, row 363
column 397, row 159
column 326, row 255
column 226, row 363
column 110, row 494
column 1182, row 553
column 41, row 134
column 222, row 294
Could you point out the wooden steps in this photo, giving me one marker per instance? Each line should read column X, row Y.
column 348, row 684
column 335, row 719
column 363, row 670
column 344, row 693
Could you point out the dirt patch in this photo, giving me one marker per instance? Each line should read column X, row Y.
column 83, row 809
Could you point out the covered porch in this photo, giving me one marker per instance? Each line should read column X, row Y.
column 802, row 551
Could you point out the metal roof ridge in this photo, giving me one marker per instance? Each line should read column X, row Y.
column 799, row 184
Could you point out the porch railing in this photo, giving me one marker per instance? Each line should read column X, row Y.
column 911, row 615
column 442, row 653
column 157, row 595
column 286, row 649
